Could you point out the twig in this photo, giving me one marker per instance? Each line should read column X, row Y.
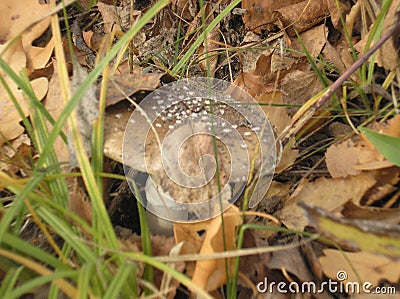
column 329, row 92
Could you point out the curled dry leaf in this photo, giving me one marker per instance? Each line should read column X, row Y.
column 384, row 191
column 209, row 274
column 351, row 156
column 9, row 116
column 19, row 53
column 17, row 17
column 355, row 234
column 301, row 16
column 259, row 13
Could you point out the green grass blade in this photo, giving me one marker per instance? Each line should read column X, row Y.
column 39, row 281
column 95, row 73
column 188, row 55
column 388, row 146
column 85, row 273
column 9, row 281
column 114, row 289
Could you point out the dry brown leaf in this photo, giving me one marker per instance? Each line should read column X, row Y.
column 292, row 261
column 9, row 116
column 300, row 86
column 259, row 13
column 351, row 156
column 206, row 238
column 384, row 191
column 329, row 194
column 356, row 211
column 211, row 274
column 19, row 151
column 279, row 119
column 253, row 84
column 122, row 85
column 369, row 267
column 314, row 40
column 18, row 16
column 19, row 53
column 387, row 55
column 300, row 16
column 340, row 159
column 335, row 13
column 54, row 104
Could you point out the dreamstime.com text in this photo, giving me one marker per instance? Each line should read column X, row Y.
column 331, row 286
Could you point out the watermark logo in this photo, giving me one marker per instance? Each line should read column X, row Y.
column 192, row 146
column 309, row 287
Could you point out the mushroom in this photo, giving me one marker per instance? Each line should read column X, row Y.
column 201, row 141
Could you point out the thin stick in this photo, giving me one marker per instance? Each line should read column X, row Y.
column 329, row 92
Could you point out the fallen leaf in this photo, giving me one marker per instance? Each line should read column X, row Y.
column 9, row 116
column 251, row 83
column 340, row 159
column 54, row 104
column 360, row 267
column 19, row 53
column 354, row 234
column 206, row 237
column 292, row 261
column 329, row 194
column 211, row 274
column 300, row 16
column 314, row 40
column 387, row 54
column 121, row 86
column 353, row 155
column 300, row 86
column 259, row 13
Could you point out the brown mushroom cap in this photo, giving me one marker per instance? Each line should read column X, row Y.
column 185, row 129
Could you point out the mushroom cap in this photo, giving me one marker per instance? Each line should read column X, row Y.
column 182, row 131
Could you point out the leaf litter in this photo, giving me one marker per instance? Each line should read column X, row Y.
column 347, row 185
